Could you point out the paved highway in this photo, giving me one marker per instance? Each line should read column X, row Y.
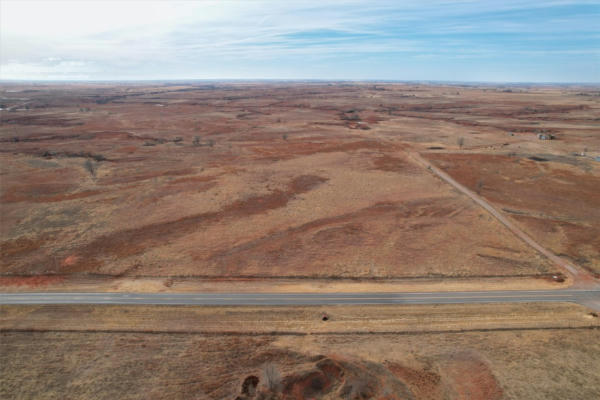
column 292, row 299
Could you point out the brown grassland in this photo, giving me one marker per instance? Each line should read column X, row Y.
column 499, row 351
column 297, row 187
column 293, row 181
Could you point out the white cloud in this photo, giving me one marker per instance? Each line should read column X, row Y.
column 51, row 69
column 193, row 39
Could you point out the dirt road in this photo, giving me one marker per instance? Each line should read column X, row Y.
column 578, row 274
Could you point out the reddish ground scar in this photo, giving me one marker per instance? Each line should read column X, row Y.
column 71, row 260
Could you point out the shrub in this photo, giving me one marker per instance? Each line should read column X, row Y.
column 479, row 186
column 90, row 167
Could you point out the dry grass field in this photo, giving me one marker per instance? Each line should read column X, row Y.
column 555, row 198
column 292, row 181
column 298, row 187
column 295, row 319
column 503, row 351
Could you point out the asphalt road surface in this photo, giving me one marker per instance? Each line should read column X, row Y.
column 292, row 299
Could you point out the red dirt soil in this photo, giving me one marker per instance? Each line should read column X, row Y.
column 31, row 281
column 238, row 180
column 471, row 378
column 556, row 203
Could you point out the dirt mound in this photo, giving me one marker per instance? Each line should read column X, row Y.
column 460, row 375
column 335, row 377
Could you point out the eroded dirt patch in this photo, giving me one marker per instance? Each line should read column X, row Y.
column 471, row 378
column 31, row 281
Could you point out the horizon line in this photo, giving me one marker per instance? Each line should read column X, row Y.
column 300, row 80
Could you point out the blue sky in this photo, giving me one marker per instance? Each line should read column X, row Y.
column 496, row 41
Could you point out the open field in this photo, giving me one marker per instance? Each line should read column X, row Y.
column 532, row 351
column 199, row 202
column 292, row 181
column 295, row 319
column 555, row 198
column 297, row 187
column 61, row 283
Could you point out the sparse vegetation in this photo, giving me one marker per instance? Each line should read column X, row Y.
column 271, row 377
column 350, row 115
column 67, row 154
column 310, row 366
column 479, row 186
column 250, row 170
column 90, row 167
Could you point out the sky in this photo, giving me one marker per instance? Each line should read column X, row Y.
column 436, row 40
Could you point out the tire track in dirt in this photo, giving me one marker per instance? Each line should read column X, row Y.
column 576, row 272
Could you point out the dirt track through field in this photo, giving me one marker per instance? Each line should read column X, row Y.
column 576, row 272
